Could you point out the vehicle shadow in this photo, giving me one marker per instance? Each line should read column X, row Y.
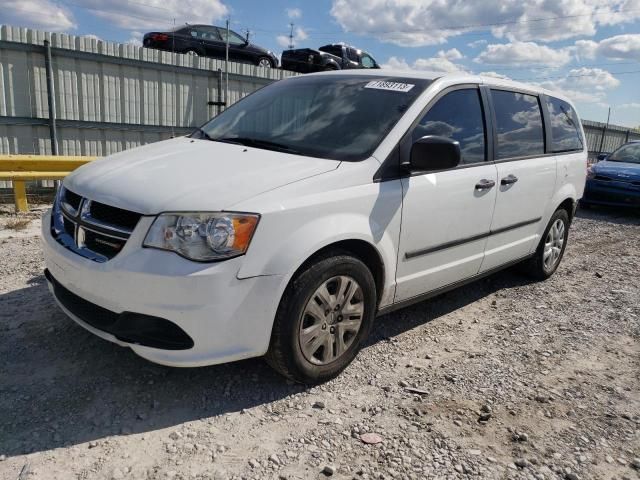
column 63, row 386
column 619, row 216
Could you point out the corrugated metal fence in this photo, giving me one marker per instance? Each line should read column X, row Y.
column 110, row 97
column 603, row 138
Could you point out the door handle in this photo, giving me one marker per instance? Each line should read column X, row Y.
column 509, row 180
column 485, row 184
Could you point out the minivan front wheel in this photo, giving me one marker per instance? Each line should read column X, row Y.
column 323, row 319
column 265, row 62
column 551, row 247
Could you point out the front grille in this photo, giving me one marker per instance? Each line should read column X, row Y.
column 72, row 199
column 91, row 229
column 107, row 246
column 114, row 216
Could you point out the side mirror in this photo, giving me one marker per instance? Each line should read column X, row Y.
column 431, row 153
column 602, row 156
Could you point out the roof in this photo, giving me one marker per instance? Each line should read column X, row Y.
column 450, row 78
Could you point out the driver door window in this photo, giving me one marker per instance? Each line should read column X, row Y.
column 457, row 115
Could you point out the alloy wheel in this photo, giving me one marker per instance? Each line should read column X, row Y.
column 331, row 320
column 553, row 245
column 264, row 62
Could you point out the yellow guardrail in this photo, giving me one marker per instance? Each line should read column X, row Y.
column 24, row 168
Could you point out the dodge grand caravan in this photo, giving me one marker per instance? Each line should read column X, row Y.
column 284, row 225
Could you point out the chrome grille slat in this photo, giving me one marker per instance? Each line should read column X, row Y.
column 77, row 230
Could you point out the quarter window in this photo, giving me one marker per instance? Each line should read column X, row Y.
column 367, row 61
column 457, row 115
column 565, row 126
column 518, row 124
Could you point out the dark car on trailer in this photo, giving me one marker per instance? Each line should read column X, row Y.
column 336, row 56
column 210, row 41
column 615, row 179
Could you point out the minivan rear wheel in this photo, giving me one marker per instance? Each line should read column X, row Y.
column 551, row 248
column 323, row 318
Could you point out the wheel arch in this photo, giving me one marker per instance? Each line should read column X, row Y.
column 360, row 249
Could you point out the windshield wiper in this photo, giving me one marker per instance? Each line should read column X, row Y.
column 258, row 143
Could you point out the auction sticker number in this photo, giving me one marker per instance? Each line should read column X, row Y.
column 393, row 86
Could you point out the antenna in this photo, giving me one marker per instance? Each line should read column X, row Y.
column 291, row 45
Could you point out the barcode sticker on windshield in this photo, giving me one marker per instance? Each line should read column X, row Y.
column 393, row 86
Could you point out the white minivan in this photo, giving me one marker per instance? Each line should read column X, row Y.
column 287, row 223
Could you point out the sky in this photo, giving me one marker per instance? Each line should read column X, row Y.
column 587, row 49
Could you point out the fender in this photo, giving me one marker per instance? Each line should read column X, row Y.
column 288, row 235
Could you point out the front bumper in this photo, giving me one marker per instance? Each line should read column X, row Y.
column 613, row 193
column 227, row 319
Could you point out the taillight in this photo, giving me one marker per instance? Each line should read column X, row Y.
column 159, row 37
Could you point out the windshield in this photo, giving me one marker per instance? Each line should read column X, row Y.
column 334, row 117
column 627, row 153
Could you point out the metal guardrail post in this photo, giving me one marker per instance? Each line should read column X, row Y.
column 20, row 196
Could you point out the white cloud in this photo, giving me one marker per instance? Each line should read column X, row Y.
column 299, row 35
column 629, row 105
column 587, row 85
column 452, row 54
column 156, row 14
column 588, row 78
column 293, row 13
column 585, row 49
column 441, row 63
column 39, row 14
column 429, row 22
column 477, row 43
column 136, row 39
column 524, row 54
column 620, row 47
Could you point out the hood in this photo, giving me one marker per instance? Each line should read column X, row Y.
column 185, row 174
column 625, row 171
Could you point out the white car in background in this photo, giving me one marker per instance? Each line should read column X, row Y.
column 284, row 225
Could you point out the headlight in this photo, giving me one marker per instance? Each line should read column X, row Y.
column 590, row 172
column 203, row 236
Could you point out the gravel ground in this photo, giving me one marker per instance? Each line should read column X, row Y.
column 502, row 379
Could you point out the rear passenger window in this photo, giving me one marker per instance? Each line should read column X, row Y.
column 565, row 126
column 518, row 124
column 457, row 115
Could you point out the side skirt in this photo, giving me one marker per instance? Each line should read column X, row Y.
column 452, row 286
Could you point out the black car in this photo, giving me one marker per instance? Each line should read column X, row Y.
column 210, row 41
column 336, row 56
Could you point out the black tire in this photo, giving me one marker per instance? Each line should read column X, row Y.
column 535, row 266
column 330, row 68
column 194, row 52
column 285, row 352
column 261, row 59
